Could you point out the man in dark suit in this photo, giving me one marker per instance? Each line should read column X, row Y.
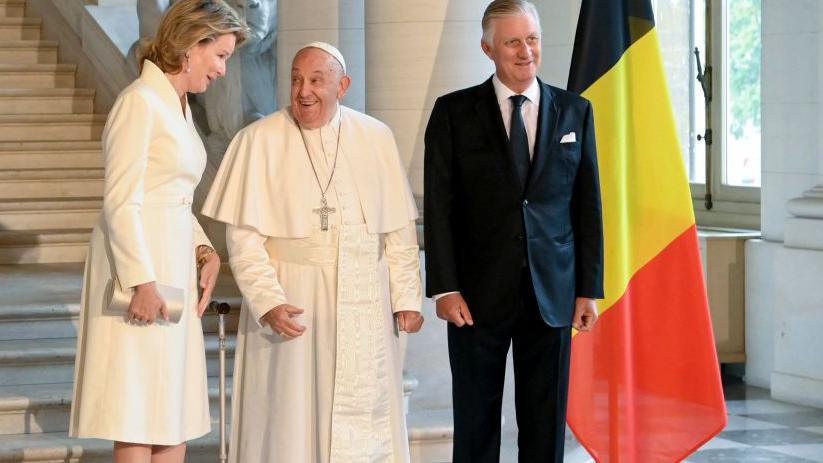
column 513, row 238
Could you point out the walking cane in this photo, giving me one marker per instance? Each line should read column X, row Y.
column 222, row 309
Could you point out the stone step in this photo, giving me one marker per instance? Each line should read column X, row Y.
column 43, row 246
column 12, row 8
column 37, row 75
column 45, row 408
column 431, row 433
column 52, row 204
column 46, row 101
column 57, row 447
column 51, row 127
column 49, row 214
column 28, row 51
column 57, row 174
column 43, row 301
column 36, row 408
column 58, row 319
column 39, row 321
column 65, row 154
column 49, row 184
column 18, row 28
column 44, row 361
column 39, row 219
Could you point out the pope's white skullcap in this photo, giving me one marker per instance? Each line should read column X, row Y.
column 328, row 48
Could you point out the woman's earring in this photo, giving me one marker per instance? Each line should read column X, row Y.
column 188, row 68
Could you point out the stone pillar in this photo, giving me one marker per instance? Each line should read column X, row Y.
column 805, row 229
column 784, row 297
column 338, row 22
column 415, row 52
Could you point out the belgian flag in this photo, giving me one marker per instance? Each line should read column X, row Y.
column 645, row 383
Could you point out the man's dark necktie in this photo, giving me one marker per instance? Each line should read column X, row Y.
column 519, row 141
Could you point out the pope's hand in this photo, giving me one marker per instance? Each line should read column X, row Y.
column 409, row 321
column 280, row 320
column 453, row 309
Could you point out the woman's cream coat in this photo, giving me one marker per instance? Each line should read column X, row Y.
column 144, row 384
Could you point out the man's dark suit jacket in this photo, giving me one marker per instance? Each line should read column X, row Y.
column 482, row 226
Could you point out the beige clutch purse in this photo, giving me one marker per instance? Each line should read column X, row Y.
column 119, row 300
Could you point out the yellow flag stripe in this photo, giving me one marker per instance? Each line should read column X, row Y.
column 645, row 191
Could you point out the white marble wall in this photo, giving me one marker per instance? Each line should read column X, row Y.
column 759, row 318
column 415, row 52
column 784, row 297
column 791, row 116
column 784, row 313
column 559, row 21
column 338, row 22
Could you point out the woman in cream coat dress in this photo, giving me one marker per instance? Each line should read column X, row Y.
column 141, row 381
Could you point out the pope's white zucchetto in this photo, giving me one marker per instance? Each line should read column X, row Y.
column 328, row 48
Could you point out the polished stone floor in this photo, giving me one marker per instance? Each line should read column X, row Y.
column 764, row 430
column 760, row 430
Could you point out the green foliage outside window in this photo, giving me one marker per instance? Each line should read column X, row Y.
column 744, row 64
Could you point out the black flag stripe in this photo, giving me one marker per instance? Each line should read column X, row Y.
column 606, row 29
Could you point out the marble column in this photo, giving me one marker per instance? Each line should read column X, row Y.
column 805, row 229
column 338, row 22
column 415, row 52
column 784, row 297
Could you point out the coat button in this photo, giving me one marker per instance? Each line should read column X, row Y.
column 525, row 202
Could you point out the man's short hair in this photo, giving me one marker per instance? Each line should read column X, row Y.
column 506, row 8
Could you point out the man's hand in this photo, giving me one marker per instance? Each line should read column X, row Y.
column 280, row 320
column 409, row 321
column 585, row 314
column 453, row 309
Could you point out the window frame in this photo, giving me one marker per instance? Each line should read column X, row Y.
column 733, row 206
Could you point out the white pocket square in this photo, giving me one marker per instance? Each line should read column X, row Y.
column 570, row 137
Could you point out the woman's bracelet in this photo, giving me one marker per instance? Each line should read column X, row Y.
column 204, row 255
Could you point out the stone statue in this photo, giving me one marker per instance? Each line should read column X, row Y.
column 248, row 92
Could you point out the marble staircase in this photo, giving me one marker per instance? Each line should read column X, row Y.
column 51, row 175
column 38, row 327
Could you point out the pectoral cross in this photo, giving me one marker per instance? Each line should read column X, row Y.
column 323, row 211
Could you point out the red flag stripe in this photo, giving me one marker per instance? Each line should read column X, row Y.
column 634, row 377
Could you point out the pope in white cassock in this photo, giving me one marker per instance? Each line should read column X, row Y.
column 322, row 243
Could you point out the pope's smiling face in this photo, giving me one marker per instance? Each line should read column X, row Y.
column 317, row 84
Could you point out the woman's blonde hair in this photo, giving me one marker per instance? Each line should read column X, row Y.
column 188, row 23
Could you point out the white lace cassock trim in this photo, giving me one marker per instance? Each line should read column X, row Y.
column 361, row 409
